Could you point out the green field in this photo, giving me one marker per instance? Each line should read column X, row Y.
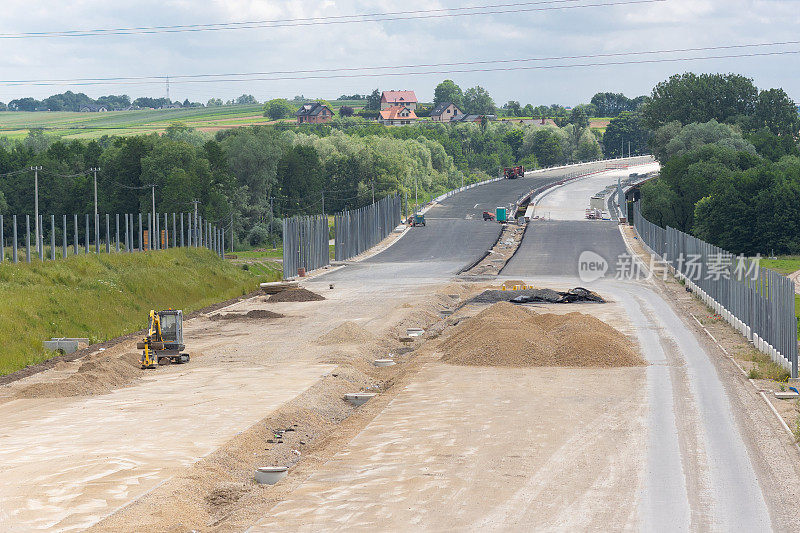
column 108, row 295
column 784, row 265
column 71, row 125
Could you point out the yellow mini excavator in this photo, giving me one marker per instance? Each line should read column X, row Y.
column 164, row 342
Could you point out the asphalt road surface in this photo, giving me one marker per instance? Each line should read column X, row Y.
column 666, row 447
column 701, row 470
column 455, row 235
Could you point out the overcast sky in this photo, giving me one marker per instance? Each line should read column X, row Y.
column 665, row 25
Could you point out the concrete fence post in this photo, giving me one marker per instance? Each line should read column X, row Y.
column 116, row 217
column 222, row 249
column 97, row 234
column 174, row 232
column 75, row 232
column 108, row 234
column 64, row 238
column 52, row 237
column 14, row 246
column 86, row 244
column 41, row 238
column 28, row 238
column 181, row 229
column 141, row 241
column 149, row 231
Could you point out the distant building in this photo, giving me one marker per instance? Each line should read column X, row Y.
column 398, row 115
column 314, row 113
column 395, row 98
column 93, row 108
column 445, row 112
column 474, row 118
column 171, row 106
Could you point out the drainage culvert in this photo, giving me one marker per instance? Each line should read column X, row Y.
column 269, row 475
column 359, row 398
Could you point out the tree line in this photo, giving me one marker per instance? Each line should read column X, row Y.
column 70, row 101
column 251, row 176
column 730, row 162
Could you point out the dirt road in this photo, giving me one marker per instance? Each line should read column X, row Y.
column 68, row 462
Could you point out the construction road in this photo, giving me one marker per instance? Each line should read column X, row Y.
column 680, row 445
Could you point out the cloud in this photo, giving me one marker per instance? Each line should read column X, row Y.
column 670, row 24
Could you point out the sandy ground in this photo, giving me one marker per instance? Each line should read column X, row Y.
column 67, row 462
column 478, row 448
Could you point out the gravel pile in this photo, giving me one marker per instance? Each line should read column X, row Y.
column 97, row 374
column 508, row 335
column 347, row 333
column 295, row 295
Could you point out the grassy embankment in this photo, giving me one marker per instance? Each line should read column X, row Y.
column 105, row 296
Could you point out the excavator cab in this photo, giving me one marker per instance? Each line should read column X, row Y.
column 164, row 341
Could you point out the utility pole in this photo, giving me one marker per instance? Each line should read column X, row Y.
column 95, row 171
column 36, row 204
column 629, row 149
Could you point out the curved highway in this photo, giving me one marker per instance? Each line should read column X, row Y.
column 455, row 235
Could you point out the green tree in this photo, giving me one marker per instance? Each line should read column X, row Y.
column 278, row 108
column 246, row 99
column 579, row 118
column 214, row 102
column 689, row 98
column 672, row 140
column 626, row 133
column 777, row 112
column 478, row 102
column 373, row 101
column 448, row 91
column 528, row 111
column 513, row 109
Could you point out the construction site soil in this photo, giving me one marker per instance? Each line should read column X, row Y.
column 509, row 335
column 254, row 314
column 295, row 295
column 97, row 374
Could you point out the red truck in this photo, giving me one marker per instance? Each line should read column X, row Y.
column 513, row 173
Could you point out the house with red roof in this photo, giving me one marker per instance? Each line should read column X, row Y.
column 395, row 98
column 397, row 115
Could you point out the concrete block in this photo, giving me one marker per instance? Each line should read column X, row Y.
column 62, row 345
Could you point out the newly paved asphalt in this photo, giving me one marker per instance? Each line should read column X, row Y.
column 455, row 235
column 554, row 248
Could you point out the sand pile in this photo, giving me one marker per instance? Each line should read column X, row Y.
column 255, row 313
column 347, row 333
column 295, row 295
column 509, row 335
column 97, row 374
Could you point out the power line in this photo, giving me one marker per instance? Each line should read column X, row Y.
column 215, row 78
column 490, row 9
column 160, row 79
